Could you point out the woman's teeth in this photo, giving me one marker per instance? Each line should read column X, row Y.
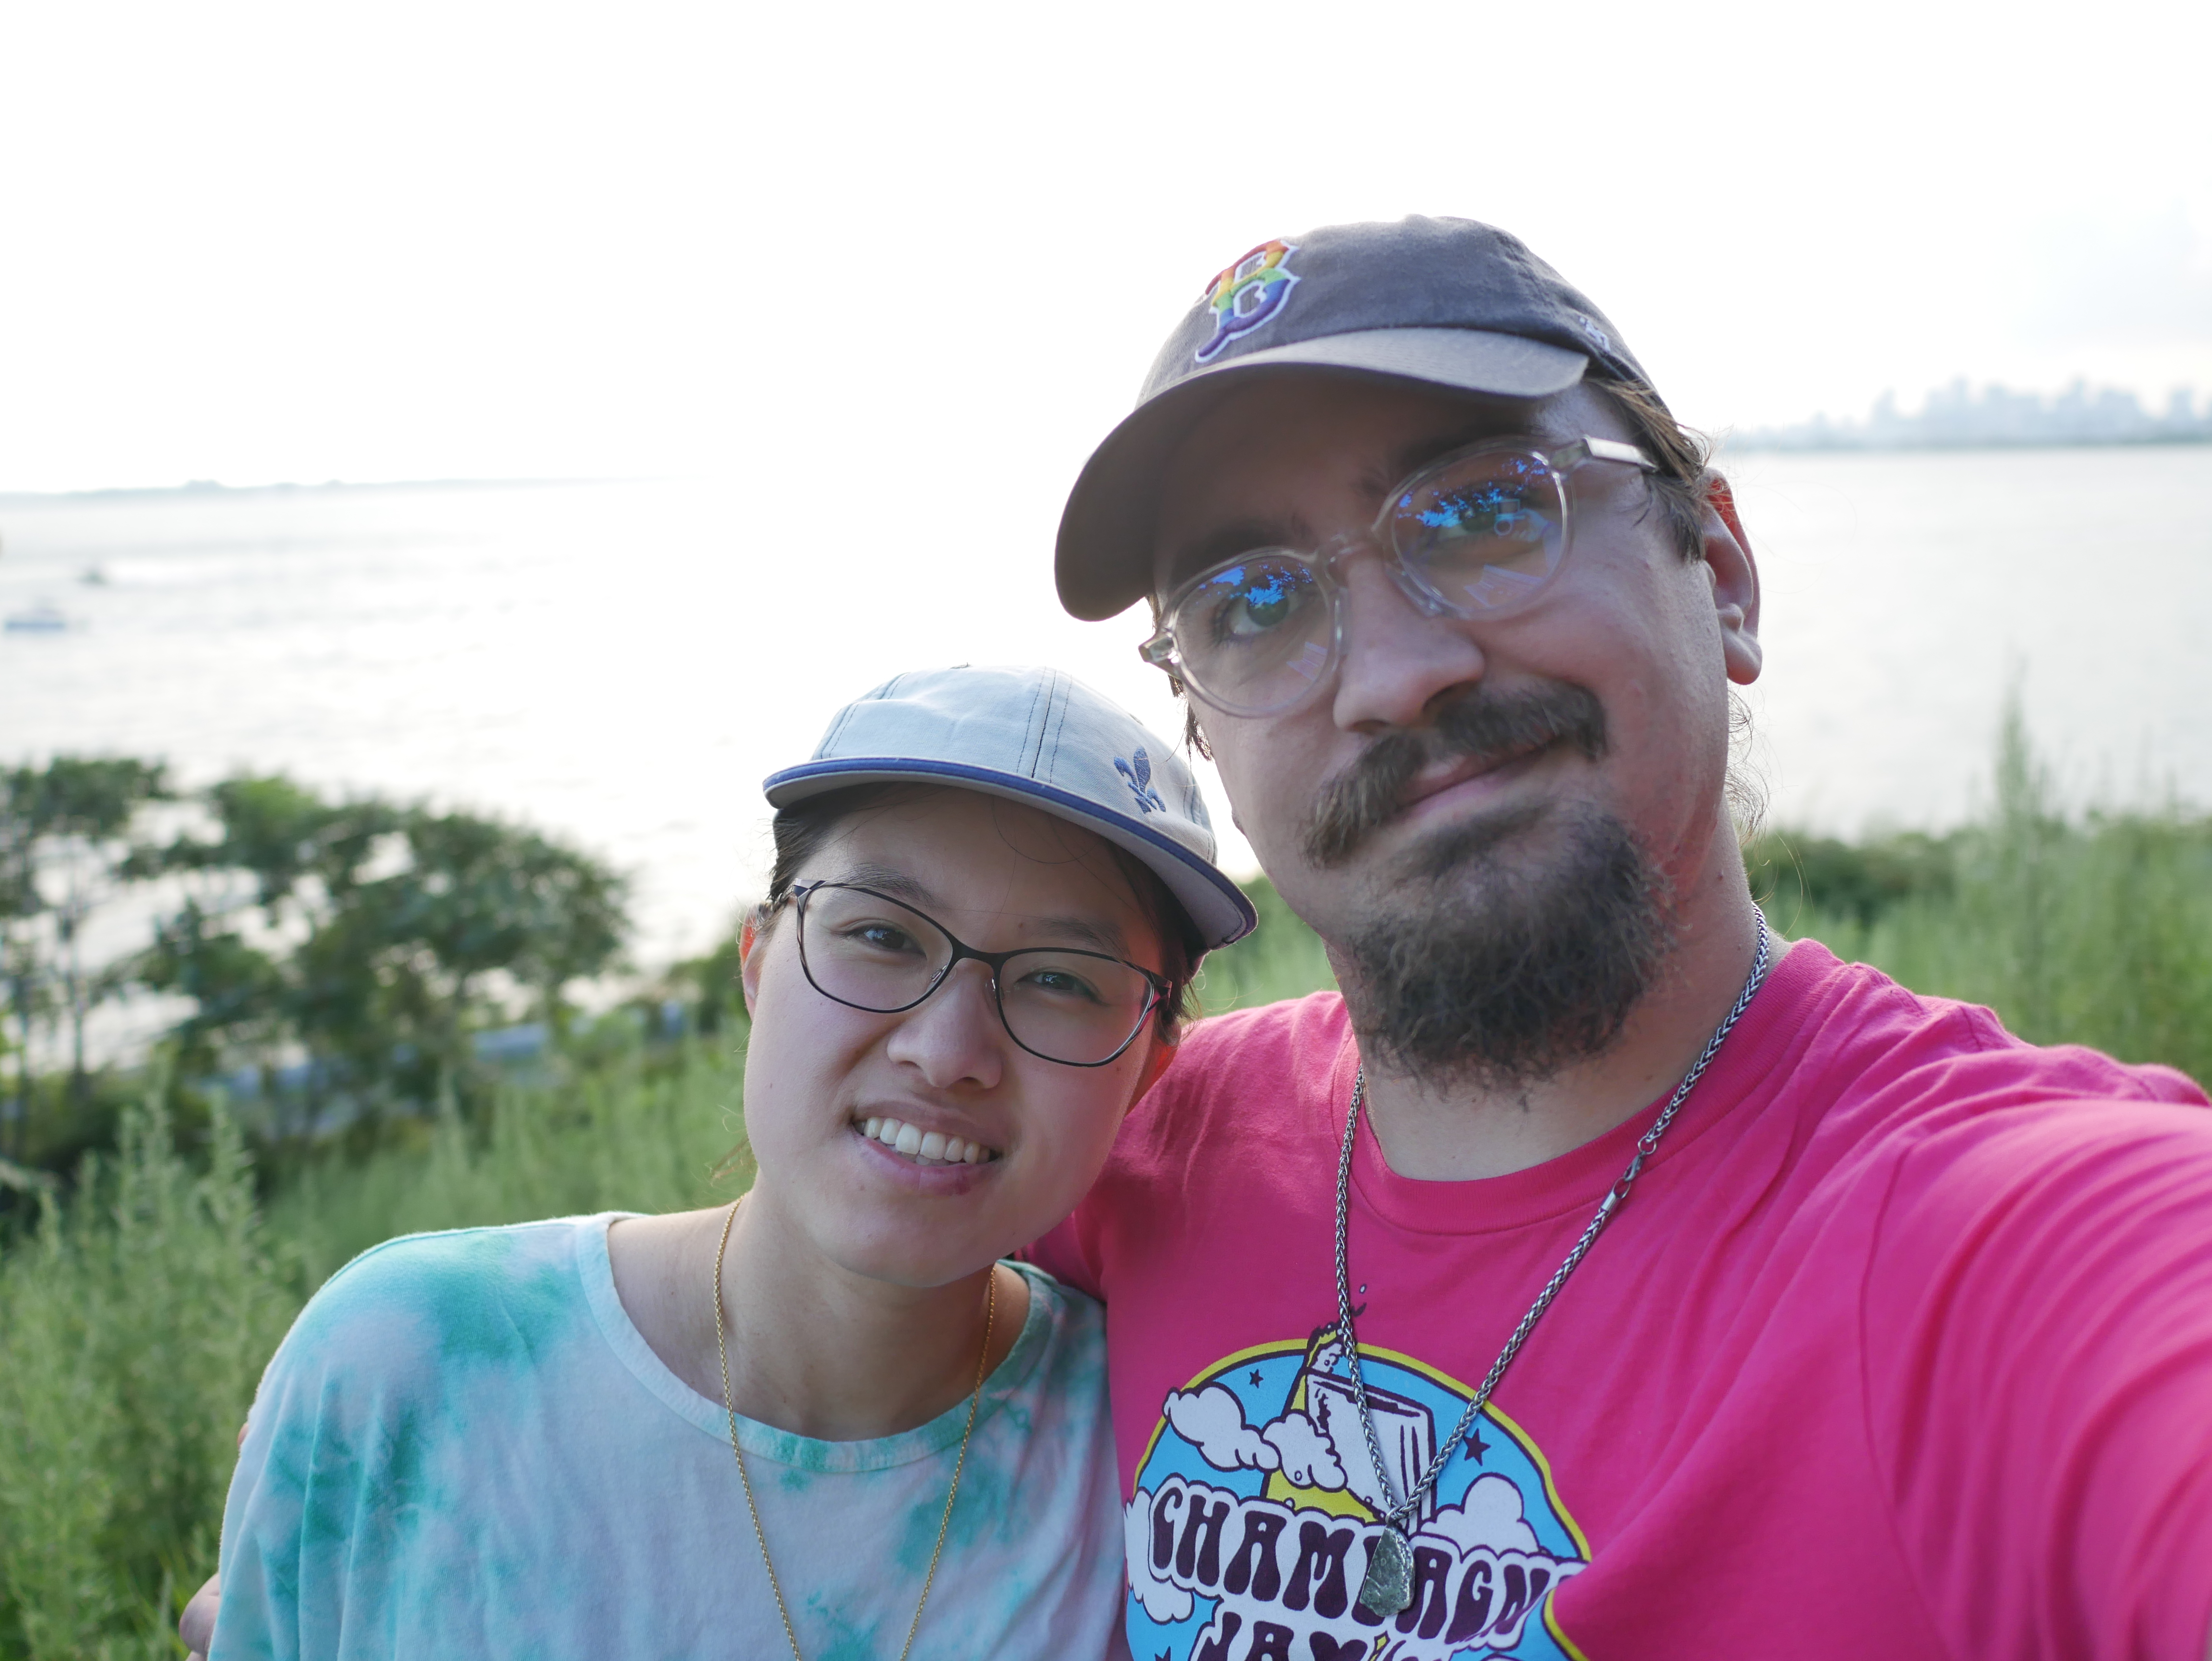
column 927, row 1146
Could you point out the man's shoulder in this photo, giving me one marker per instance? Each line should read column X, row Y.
column 1847, row 1031
column 1296, row 1029
column 1943, row 1085
column 1297, row 1046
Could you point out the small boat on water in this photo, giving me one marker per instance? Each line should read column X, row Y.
column 41, row 619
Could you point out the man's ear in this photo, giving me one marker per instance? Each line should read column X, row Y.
column 1157, row 1059
column 750, row 937
column 1727, row 554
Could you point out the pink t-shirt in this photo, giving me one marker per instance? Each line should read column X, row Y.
column 1901, row 1349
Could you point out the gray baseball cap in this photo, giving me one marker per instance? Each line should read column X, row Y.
column 1449, row 302
column 1042, row 738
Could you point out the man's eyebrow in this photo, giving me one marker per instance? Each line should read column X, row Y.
column 1409, row 458
column 1238, row 537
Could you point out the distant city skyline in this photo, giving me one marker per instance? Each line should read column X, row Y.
column 1955, row 416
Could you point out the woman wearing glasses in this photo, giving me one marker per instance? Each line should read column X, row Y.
column 828, row 1420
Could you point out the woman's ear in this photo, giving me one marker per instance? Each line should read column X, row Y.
column 750, row 937
column 1726, row 555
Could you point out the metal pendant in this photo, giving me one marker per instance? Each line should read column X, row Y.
column 1389, row 1586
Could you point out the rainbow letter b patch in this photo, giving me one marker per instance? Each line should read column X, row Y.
column 1247, row 294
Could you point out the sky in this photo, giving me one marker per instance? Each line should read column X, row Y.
column 940, row 245
column 881, row 275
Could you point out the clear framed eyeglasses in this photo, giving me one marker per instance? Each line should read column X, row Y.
column 868, row 951
column 1480, row 533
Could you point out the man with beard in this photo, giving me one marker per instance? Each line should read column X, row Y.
column 1600, row 1275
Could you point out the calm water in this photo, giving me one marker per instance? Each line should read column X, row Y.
column 625, row 662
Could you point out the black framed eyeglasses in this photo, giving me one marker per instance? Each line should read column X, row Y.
column 868, row 951
column 1480, row 533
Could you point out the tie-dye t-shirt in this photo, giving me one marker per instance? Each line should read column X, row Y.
column 465, row 1447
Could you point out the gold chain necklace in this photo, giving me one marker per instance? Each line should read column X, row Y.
column 729, row 1407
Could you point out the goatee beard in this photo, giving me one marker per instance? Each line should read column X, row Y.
column 1499, row 975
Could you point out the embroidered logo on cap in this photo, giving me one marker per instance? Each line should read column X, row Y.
column 1598, row 337
column 1247, row 294
column 1138, row 778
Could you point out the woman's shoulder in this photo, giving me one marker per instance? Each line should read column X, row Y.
column 1070, row 1309
column 483, row 1295
column 1062, row 1349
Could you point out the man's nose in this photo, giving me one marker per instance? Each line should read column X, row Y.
column 1397, row 657
column 954, row 1037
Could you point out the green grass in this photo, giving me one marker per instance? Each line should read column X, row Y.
column 2097, row 934
column 629, row 1137
column 1281, row 959
column 2092, row 929
column 133, row 1324
column 135, row 1318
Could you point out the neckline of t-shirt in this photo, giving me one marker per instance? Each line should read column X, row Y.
column 1742, row 1076
column 784, row 1447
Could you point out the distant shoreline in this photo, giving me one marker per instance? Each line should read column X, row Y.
column 1956, row 417
column 1768, row 442
column 1760, row 440
column 202, row 489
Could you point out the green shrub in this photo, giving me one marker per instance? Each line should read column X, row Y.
column 134, row 1323
column 1796, row 875
column 2098, row 932
column 136, row 1317
column 1281, row 959
column 2095, row 929
column 625, row 1137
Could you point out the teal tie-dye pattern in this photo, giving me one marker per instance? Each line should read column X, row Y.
column 465, row 1448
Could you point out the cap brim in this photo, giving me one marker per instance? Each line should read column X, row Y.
column 1102, row 563
column 1215, row 904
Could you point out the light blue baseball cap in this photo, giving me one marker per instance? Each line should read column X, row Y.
column 1042, row 738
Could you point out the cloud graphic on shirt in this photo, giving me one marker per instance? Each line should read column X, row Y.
column 1309, row 1458
column 1165, row 1603
column 1212, row 1420
column 1488, row 1514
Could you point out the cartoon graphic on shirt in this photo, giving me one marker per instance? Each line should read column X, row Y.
column 1257, row 1505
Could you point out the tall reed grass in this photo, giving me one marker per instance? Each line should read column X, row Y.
column 136, row 1317
column 1281, row 959
column 633, row 1136
column 2093, row 929
column 133, row 1323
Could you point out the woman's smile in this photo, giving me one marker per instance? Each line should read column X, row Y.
column 924, row 1148
column 935, row 1176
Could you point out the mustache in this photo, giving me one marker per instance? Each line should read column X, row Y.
column 1370, row 793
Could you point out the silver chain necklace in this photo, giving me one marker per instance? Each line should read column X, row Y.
column 1389, row 1586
